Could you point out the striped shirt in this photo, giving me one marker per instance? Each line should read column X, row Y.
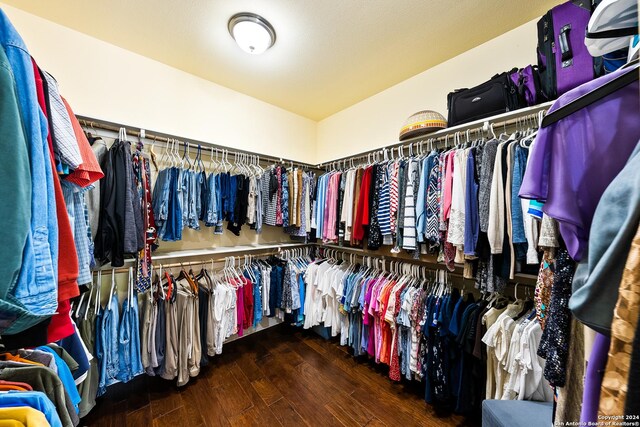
column 409, row 230
column 393, row 196
column 385, row 204
column 268, row 200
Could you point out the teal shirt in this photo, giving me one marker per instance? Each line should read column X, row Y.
column 15, row 179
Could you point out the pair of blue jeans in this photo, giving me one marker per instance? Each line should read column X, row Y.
column 107, row 344
column 130, row 363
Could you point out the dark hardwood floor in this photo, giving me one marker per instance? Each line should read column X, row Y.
column 280, row 376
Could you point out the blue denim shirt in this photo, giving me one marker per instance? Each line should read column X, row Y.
column 160, row 198
column 218, row 204
column 175, row 224
column 129, row 361
column 107, row 346
column 211, row 214
column 36, row 288
column 194, row 196
column 519, row 165
column 200, row 196
column 184, row 178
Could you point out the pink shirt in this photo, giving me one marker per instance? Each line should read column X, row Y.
column 331, row 208
column 448, row 183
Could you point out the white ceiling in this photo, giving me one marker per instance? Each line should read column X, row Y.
column 329, row 54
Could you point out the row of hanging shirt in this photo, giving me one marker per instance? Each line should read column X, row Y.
column 513, row 336
column 170, row 329
column 423, row 329
column 190, row 192
column 124, row 221
column 460, row 203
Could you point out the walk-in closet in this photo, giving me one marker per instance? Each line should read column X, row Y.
column 335, row 213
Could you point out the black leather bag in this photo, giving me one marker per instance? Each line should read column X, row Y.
column 495, row 96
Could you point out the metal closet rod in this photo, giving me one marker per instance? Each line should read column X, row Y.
column 89, row 123
column 525, row 280
column 503, row 120
column 434, row 267
column 190, row 263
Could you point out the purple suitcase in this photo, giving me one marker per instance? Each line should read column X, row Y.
column 563, row 59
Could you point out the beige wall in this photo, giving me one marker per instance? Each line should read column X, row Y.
column 107, row 82
column 376, row 121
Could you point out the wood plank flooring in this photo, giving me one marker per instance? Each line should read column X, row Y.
column 278, row 377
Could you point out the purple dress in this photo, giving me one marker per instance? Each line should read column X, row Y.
column 574, row 160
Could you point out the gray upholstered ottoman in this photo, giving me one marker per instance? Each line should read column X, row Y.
column 516, row 413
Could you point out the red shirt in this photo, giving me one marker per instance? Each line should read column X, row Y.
column 362, row 209
column 60, row 326
column 89, row 171
column 68, row 259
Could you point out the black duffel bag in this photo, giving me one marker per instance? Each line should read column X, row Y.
column 495, row 96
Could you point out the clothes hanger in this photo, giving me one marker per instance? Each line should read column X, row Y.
column 122, row 134
column 194, row 164
column 160, row 283
column 152, row 154
column 173, row 153
column 200, row 162
column 92, row 137
column 218, row 161
column 209, row 165
column 97, row 304
column 164, row 159
column 245, row 164
column 76, row 310
column 185, row 156
column 113, row 287
column 595, row 95
column 228, row 166
column 528, row 140
column 130, row 288
column 240, row 166
column 493, row 133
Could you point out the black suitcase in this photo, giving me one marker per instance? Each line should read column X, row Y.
column 495, row 96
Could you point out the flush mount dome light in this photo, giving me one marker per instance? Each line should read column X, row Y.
column 252, row 32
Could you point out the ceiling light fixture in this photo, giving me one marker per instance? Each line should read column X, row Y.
column 252, row 32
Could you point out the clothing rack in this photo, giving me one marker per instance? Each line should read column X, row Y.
column 523, row 279
column 383, row 260
column 264, row 250
column 435, row 139
column 441, row 138
column 90, row 123
column 191, row 263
